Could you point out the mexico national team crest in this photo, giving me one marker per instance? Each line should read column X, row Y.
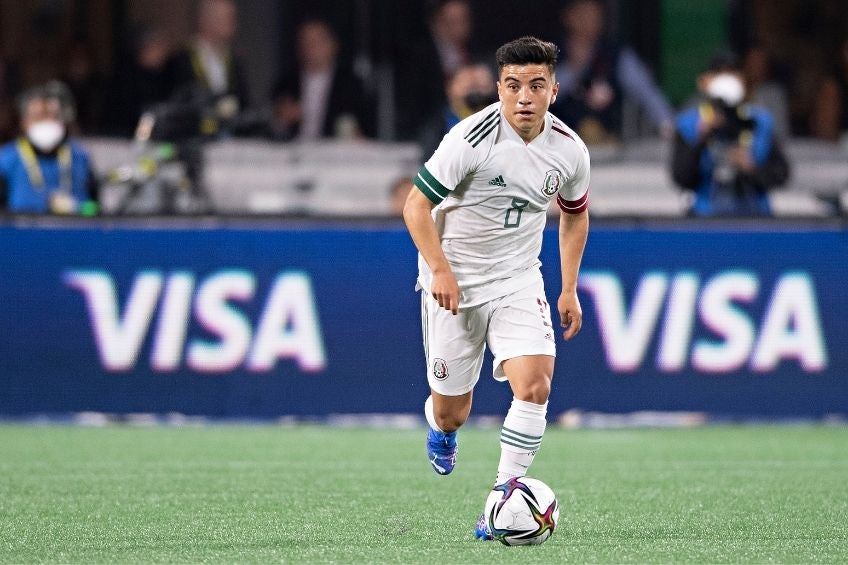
column 553, row 182
column 440, row 369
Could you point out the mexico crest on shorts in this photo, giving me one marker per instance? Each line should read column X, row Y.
column 553, row 182
column 440, row 369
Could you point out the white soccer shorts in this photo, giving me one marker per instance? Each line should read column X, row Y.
column 514, row 325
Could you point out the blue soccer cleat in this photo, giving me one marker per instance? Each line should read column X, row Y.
column 441, row 451
column 481, row 530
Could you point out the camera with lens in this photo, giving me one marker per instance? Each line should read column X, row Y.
column 732, row 121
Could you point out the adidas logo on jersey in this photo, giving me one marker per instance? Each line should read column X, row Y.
column 498, row 181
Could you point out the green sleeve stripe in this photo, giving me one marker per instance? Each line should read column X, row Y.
column 432, row 189
column 431, row 181
column 431, row 196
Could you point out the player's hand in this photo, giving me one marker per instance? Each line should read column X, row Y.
column 445, row 290
column 570, row 313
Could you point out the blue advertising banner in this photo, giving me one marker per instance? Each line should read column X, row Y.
column 261, row 322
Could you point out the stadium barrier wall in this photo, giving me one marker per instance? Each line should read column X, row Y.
column 262, row 322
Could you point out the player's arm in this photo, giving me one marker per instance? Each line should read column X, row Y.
column 417, row 213
column 573, row 232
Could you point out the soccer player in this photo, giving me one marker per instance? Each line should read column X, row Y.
column 477, row 220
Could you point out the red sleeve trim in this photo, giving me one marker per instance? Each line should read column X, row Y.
column 573, row 206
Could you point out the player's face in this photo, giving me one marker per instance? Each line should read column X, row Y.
column 526, row 92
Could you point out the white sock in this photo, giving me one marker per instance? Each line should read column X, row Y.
column 521, row 437
column 428, row 413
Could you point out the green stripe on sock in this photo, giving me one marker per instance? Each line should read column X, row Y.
column 528, row 448
column 519, row 434
column 525, row 444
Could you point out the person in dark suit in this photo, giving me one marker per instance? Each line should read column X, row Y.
column 10, row 84
column 425, row 61
column 207, row 70
column 596, row 74
column 322, row 98
column 140, row 80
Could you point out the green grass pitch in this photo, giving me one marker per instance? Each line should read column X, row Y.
column 243, row 494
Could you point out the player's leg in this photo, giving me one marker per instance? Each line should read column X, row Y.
column 522, row 339
column 447, row 413
column 521, row 436
column 453, row 346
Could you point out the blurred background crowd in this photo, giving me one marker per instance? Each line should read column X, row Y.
column 714, row 83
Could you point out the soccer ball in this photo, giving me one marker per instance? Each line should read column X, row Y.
column 522, row 511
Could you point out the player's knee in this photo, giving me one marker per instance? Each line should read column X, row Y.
column 449, row 422
column 537, row 391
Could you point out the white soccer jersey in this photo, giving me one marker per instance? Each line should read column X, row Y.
column 492, row 192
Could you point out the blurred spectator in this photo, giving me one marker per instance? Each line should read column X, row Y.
column 208, row 69
column 44, row 171
column 322, row 99
column 469, row 90
column 424, row 66
column 397, row 195
column 86, row 83
column 595, row 74
column 726, row 151
column 141, row 79
column 764, row 89
column 10, row 81
column 830, row 112
column 451, row 28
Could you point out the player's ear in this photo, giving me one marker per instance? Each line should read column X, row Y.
column 555, row 91
column 498, row 84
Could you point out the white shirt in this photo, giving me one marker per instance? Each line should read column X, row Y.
column 450, row 57
column 314, row 98
column 492, row 192
column 215, row 67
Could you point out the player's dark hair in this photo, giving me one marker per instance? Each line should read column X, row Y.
column 527, row 50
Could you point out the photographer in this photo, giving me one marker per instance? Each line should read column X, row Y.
column 44, row 171
column 726, row 151
column 469, row 90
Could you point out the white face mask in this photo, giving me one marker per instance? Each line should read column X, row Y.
column 45, row 135
column 726, row 87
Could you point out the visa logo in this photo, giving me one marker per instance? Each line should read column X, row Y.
column 789, row 328
column 288, row 327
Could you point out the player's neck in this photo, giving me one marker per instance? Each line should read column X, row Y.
column 527, row 137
